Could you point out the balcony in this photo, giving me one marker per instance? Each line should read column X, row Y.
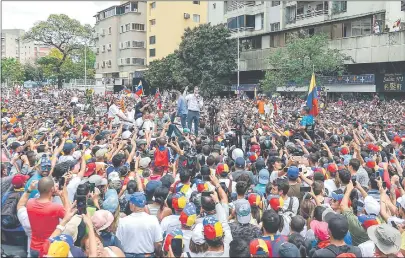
column 375, row 48
column 307, row 13
column 234, row 5
column 311, row 14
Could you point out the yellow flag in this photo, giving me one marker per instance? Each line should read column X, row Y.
column 72, row 119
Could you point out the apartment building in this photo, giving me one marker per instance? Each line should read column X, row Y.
column 121, row 41
column 12, row 46
column 165, row 28
column 371, row 32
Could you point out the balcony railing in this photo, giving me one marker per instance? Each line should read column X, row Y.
column 311, row 14
column 234, row 5
column 242, row 29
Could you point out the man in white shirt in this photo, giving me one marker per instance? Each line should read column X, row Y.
column 115, row 113
column 194, row 105
column 140, row 233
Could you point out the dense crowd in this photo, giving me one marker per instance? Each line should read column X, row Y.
column 181, row 175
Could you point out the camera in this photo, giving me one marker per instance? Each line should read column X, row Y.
column 81, row 198
column 212, row 110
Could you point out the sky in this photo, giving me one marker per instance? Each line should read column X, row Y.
column 23, row 14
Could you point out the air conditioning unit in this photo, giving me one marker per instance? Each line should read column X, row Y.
column 186, row 16
column 102, row 66
column 109, row 48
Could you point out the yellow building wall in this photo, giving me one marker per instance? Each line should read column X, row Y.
column 170, row 24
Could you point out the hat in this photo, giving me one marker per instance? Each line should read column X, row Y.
column 258, row 247
column 111, row 201
column 101, row 153
column 275, row 202
column 126, row 135
column 344, row 151
column 326, row 212
column 240, row 162
column 138, row 199
column 197, row 235
column 77, row 154
column 401, row 201
column 370, row 163
column 102, row 219
column 332, row 168
column 337, row 196
column 184, row 188
column 19, row 180
column 243, row 212
column 287, row 249
column 255, row 199
column 186, row 130
column 252, row 157
column 90, row 169
column 15, row 145
column 98, row 180
column 385, row 237
column 337, row 223
column 320, row 229
column 144, row 162
column 237, row 153
column 212, row 228
column 140, row 142
column 176, row 233
column 68, row 147
column 371, row 205
column 72, row 227
column 99, row 137
column 264, row 176
column 397, row 139
column 60, row 246
column 293, row 173
column 114, row 176
column 179, row 201
column 222, row 169
column 205, row 170
column 188, row 215
column 201, row 185
column 151, row 187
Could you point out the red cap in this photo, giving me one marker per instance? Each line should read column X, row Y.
column 17, row 130
column 332, row 168
column 344, row 151
column 85, row 133
column 90, row 169
column 19, row 180
column 370, row 164
column 397, row 139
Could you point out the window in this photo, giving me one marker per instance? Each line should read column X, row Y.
column 103, row 48
column 97, row 50
column 138, row 44
column 109, row 63
column 196, row 2
column 152, row 52
column 134, row 6
column 339, row 6
column 152, row 40
column 275, row 3
column 127, row 44
column 127, row 27
column 153, row 5
column 127, row 8
column 109, row 47
column 122, row 28
column 152, row 22
column 121, row 45
column 109, row 31
column 275, row 40
column 275, row 26
column 138, row 26
column 214, row 5
column 138, row 61
column 196, row 18
column 103, row 65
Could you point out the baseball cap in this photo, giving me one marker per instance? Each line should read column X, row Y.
column 98, row 180
column 138, row 199
column 151, row 187
column 184, row 188
column 344, row 151
column 188, row 215
column 15, row 145
column 197, row 235
column 140, row 142
column 275, row 201
column 222, row 169
column 320, row 229
column 101, row 153
column 337, row 196
column 90, row 169
column 288, row 249
column 255, row 199
column 240, row 162
column 126, row 135
column 111, row 201
column 264, row 176
column 102, row 219
column 371, row 205
column 243, row 212
column 176, row 233
column 258, row 247
column 186, row 130
column 144, row 162
column 19, row 180
column 385, row 237
column 68, row 147
column 60, row 246
column 201, row 185
column 260, row 164
column 237, row 153
column 332, row 168
column 212, row 228
column 337, row 224
column 293, row 173
column 99, row 137
column 179, row 201
column 114, row 176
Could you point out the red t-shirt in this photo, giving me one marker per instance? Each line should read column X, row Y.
column 44, row 217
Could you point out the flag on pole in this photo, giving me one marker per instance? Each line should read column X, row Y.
column 158, row 99
column 139, row 89
column 312, row 100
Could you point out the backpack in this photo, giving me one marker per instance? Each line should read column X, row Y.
column 9, row 219
column 348, row 252
column 162, row 158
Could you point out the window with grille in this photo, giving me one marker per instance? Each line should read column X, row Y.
column 127, row 27
column 275, row 26
column 138, row 26
column 128, row 44
column 152, row 22
column 109, row 30
column 109, row 47
column 196, row 18
column 122, row 29
column 103, row 48
column 138, row 61
column 138, row 44
column 152, row 40
column 152, row 52
column 128, row 60
column 275, row 3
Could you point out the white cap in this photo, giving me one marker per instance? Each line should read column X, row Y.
column 371, row 205
column 126, row 135
column 197, row 235
column 144, row 162
column 114, row 176
column 77, row 154
column 236, row 153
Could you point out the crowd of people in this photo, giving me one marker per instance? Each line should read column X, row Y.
column 180, row 175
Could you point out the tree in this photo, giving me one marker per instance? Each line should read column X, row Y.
column 11, row 70
column 303, row 55
column 64, row 34
column 33, row 72
column 207, row 56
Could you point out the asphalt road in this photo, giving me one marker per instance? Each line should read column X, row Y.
column 19, row 251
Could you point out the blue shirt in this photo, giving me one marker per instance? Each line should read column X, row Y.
column 36, row 176
column 181, row 106
column 307, row 120
column 260, row 189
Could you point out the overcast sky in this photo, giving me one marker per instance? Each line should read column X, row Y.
column 23, row 14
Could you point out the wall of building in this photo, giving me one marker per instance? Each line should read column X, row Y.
column 169, row 27
column 216, row 11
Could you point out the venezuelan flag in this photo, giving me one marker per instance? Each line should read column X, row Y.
column 312, row 100
column 139, row 89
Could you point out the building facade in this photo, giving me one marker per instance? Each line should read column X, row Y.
column 165, row 29
column 12, row 46
column 372, row 33
column 121, row 41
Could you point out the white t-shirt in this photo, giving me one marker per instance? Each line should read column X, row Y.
column 139, row 232
column 170, row 223
column 273, row 176
column 186, row 239
column 22, row 216
column 74, row 100
column 147, row 125
column 330, row 185
column 72, row 187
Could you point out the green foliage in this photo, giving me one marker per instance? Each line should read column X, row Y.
column 63, row 33
column 33, row 72
column 11, row 70
column 301, row 56
column 206, row 58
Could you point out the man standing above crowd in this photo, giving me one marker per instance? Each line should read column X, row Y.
column 194, row 104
